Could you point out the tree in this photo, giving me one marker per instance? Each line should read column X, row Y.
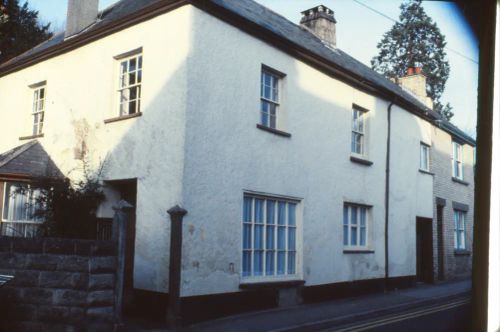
column 20, row 29
column 415, row 40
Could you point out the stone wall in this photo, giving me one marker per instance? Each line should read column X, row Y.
column 59, row 284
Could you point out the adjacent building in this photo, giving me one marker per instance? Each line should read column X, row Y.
column 299, row 166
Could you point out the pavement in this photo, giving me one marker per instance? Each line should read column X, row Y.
column 323, row 315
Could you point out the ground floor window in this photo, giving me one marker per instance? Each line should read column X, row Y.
column 459, row 217
column 269, row 236
column 355, row 226
column 19, row 210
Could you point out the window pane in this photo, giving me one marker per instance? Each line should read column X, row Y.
column 362, row 236
column 258, row 237
column 259, row 211
column 246, row 263
column 132, row 65
column 42, row 93
column 247, row 209
column 131, row 78
column 131, row 107
column 123, row 67
column 270, row 212
column 354, row 234
column 257, row 263
column 139, row 76
column 291, row 262
column 140, row 61
column 362, row 216
column 354, row 215
column 291, row 214
column 346, row 235
column 281, row 213
column 291, row 238
column 269, row 263
column 281, row 262
column 247, row 236
column 360, row 122
column 281, row 237
column 133, row 93
column 270, row 237
column 272, row 121
column 264, row 113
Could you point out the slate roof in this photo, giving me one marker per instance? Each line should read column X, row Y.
column 276, row 24
column 30, row 160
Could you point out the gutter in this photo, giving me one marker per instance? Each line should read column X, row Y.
column 387, row 186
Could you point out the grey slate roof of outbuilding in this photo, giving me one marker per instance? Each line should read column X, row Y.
column 30, row 160
column 276, row 24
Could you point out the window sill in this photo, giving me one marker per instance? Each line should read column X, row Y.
column 425, row 172
column 462, row 252
column 457, row 180
column 123, row 117
column 272, row 284
column 358, row 251
column 361, row 161
column 274, row 131
column 23, row 138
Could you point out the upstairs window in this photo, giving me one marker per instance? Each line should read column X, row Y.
column 269, row 97
column 459, row 218
column 129, row 88
column 38, row 109
column 358, row 131
column 355, row 226
column 269, row 237
column 457, row 161
column 424, row 157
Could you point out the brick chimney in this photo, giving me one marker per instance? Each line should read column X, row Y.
column 320, row 21
column 415, row 82
column 81, row 14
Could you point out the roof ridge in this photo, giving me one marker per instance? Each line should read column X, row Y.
column 16, row 152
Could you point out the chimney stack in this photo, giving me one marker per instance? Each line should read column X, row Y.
column 415, row 82
column 321, row 22
column 81, row 14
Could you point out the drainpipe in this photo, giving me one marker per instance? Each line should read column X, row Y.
column 387, row 174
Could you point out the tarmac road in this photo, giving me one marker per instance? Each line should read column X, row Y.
column 452, row 316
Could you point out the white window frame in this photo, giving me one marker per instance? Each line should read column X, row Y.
column 425, row 162
column 459, row 229
column 271, row 101
column 124, row 86
column 252, row 277
column 348, row 226
column 457, row 160
column 358, row 129
column 38, row 108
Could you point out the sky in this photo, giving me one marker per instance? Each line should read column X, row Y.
column 359, row 29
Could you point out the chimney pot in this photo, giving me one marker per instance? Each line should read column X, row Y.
column 409, row 71
column 321, row 21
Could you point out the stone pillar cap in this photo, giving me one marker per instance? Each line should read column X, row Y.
column 177, row 210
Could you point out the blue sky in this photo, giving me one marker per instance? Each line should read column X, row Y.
column 359, row 29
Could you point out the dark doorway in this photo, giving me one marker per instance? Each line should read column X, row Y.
column 424, row 250
column 440, row 242
column 128, row 191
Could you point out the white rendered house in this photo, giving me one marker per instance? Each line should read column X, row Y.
column 297, row 164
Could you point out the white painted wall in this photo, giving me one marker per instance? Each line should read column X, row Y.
column 226, row 155
column 197, row 145
column 81, row 94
